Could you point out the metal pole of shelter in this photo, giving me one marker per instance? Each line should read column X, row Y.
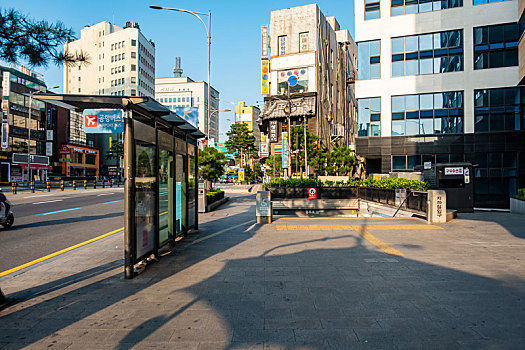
column 305, row 149
column 129, row 197
column 209, row 71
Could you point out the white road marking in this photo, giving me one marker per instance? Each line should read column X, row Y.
column 56, row 200
column 104, row 194
column 39, row 195
column 250, row 228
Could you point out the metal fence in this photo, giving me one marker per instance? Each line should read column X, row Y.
column 62, row 185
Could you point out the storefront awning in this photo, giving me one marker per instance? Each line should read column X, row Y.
column 277, row 107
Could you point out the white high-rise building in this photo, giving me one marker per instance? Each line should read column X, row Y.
column 437, row 83
column 184, row 92
column 121, row 62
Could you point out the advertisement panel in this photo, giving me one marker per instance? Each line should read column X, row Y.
column 240, row 175
column 299, row 77
column 265, row 76
column 49, row 148
column 5, row 135
column 189, row 114
column 285, row 150
column 264, row 42
column 103, row 121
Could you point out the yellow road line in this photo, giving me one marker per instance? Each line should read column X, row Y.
column 353, row 218
column 18, row 268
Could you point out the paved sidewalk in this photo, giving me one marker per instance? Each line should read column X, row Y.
column 298, row 283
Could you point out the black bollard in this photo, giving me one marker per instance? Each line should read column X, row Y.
column 48, row 186
column 61, row 185
column 74, row 184
column 32, row 186
column 13, row 187
column 85, row 184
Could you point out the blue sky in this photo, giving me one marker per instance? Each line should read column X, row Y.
column 235, row 36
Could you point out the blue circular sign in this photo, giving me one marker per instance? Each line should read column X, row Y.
column 292, row 81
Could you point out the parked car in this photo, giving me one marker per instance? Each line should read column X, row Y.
column 232, row 178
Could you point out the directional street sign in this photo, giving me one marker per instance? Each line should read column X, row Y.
column 103, row 121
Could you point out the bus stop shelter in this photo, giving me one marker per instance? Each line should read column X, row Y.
column 160, row 171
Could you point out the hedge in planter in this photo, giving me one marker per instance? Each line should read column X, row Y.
column 214, row 196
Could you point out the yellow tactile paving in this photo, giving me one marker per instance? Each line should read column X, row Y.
column 362, row 230
column 355, row 227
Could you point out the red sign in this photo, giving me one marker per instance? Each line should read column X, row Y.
column 64, row 150
column 90, row 120
column 312, row 193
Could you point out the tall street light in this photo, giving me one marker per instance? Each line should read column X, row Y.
column 29, row 131
column 208, row 33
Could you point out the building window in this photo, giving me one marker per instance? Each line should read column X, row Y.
column 372, row 9
column 496, row 46
column 369, row 60
column 499, row 109
column 133, row 42
column 430, row 53
column 282, row 45
column 424, row 114
column 133, row 68
column 405, row 7
column 133, row 55
column 303, row 42
column 369, row 116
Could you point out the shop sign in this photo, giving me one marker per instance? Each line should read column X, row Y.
column 466, row 174
column 103, row 121
column 427, row 165
column 285, row 150
column 6, row 85
column 265, row 77
column 454, row 171
column 49, row 148
column 264, row 150
column 264, row 42
column 240, row 174
column 273, row 131
column 5, row 135
column 64, row 150
column 49, row 135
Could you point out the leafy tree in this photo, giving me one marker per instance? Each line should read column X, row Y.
column 241, row 142
column 316, row 155
column 212, row 163
column 340, row 161
column 116, row 151
column 278, row 165
column 37, row 42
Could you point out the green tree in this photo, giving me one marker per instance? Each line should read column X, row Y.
column 37, row 42
column 241, row 142
column 116, row 151
column 316, row 155
column 340, row 161
column 278, row 165
column 212, row 163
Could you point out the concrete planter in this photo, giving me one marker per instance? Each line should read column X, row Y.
column 517, row 206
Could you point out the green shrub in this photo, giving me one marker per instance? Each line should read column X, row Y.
column 386, row 182
column 521, row 194
column 214, row 196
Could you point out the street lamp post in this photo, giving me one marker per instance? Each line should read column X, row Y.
column 208, row 33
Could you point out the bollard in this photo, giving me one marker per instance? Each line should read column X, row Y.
column 111, row 183
column 32, row 186
column 437, row 210
column 263, row 207
column 61, row 185
column 103, row 184
column 13, row 186
column 85, row 184
column 74, row 184
column 48, row 186
column 95, row 184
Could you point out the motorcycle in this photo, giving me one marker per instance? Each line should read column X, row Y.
column 7, row 218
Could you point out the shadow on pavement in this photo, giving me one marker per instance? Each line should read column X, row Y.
column 65, row 221
column 329, row 291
